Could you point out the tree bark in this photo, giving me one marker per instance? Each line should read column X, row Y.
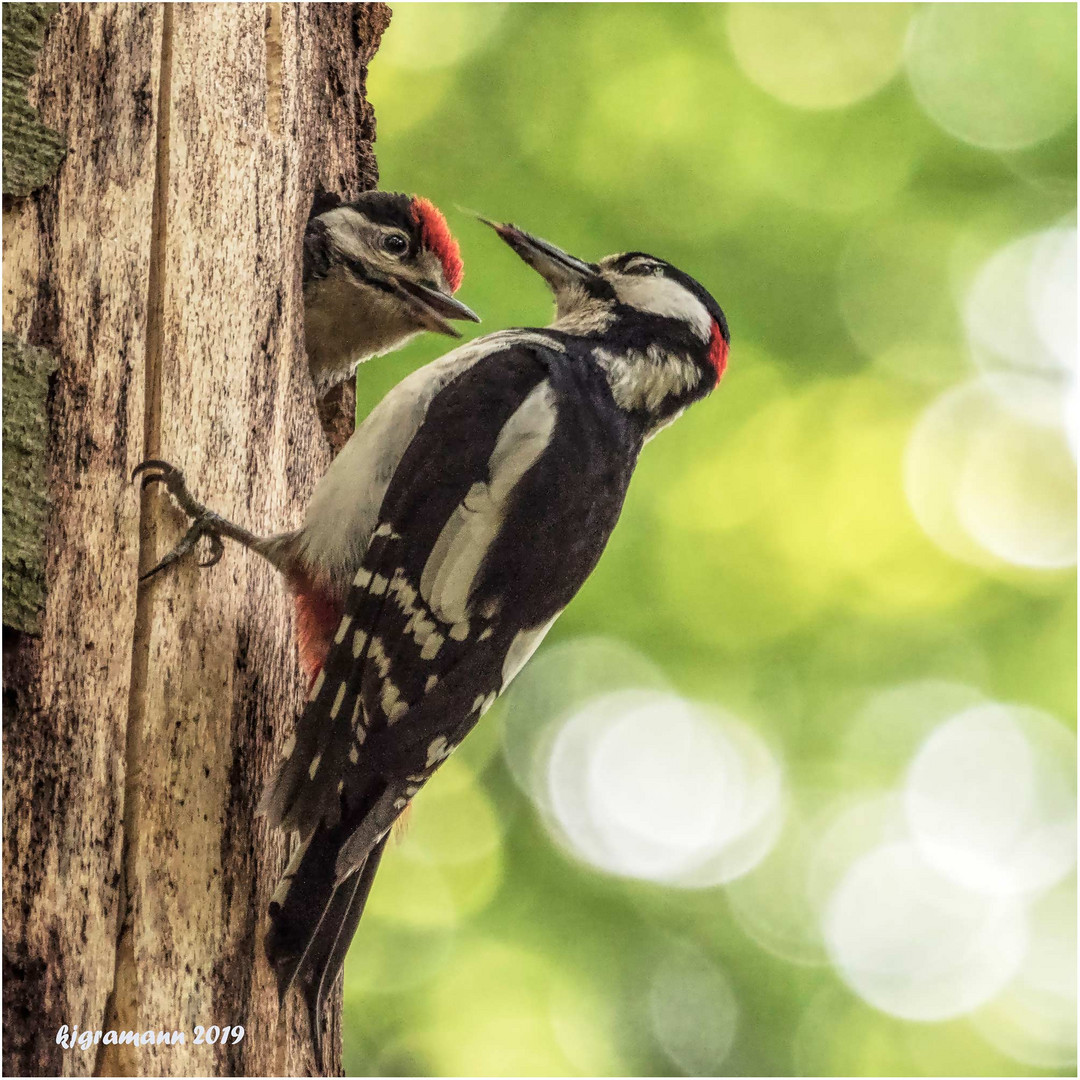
column 160, row 269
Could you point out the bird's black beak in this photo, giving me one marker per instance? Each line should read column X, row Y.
column 558, row 268
column 432, row 306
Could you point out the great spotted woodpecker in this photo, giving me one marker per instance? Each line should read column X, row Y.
column 377, row 271
column 443, row 542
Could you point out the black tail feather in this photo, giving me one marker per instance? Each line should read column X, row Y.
column 326, row 955
column 313, row 919
column 299, row 905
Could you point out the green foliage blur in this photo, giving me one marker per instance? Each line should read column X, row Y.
column 825, row 173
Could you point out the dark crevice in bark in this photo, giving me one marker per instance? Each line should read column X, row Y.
column 122, row 1007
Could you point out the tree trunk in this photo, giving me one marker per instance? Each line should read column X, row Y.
column 160, row 270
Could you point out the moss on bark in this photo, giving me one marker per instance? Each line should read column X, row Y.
column 32, row 151
column 26, row 500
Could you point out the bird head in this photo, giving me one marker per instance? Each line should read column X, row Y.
column 632, row 301
column 377, row 271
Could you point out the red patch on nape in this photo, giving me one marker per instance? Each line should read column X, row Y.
column 317, row 617
column 435, row 236
column 718, row 351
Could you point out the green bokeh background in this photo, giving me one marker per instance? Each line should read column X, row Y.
column 768, row 560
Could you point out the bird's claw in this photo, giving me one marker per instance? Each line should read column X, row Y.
column 217, row 549
column 175, row 484
column 200, row 527
column 204, row 523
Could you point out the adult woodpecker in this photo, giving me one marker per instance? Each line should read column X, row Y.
column 454, row 527
column 377, row 271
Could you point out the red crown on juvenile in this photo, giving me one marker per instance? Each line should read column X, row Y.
column 435, row 236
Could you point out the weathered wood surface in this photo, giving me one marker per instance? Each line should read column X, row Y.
column 161, row 268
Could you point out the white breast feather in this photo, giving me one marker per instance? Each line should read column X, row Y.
column 645, row 379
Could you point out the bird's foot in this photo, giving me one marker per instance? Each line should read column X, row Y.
column 204, row 522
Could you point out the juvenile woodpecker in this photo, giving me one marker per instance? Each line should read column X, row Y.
column 377, row 272
column 443, row 542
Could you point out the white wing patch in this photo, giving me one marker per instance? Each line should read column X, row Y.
column 344, row 508
column 525, row 643
column 452, row 566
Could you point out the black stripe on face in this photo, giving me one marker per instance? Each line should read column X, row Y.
column 636, row 331
column 359, row 269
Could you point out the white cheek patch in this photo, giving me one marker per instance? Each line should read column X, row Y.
column 345, row 227
column 663, row 296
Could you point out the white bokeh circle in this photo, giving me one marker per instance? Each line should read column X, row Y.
column 1016, row 494
column 988, row 485
column 1034, row 1019
column 916, row 945
column 557, row 682
column 692, row 1011
column 990, row 799
column 1020, row 320
column 999, row 76
column 1051, row 293
column 779, row 904
column 892, row 723
column 647, row 785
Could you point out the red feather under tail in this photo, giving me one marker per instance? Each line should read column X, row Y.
column 318, row 614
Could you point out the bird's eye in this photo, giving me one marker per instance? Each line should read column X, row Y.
column 395, row 244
